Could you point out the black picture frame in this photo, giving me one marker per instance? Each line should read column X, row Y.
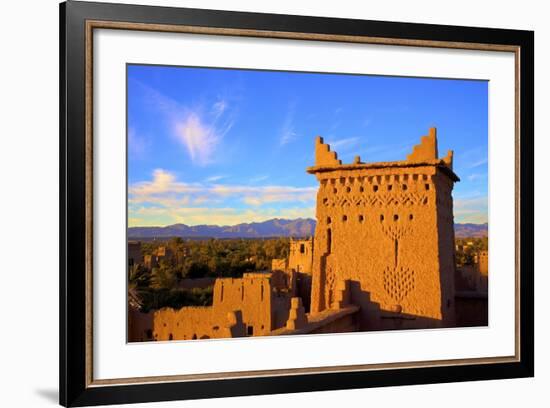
column 75, row 387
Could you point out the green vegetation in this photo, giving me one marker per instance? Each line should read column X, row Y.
column 153, row 299
column 467, row 248
column 193, row 259
column 160, row 286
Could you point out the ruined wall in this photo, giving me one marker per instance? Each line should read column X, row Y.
column 386, row 227
column 134, row 253
column 483, row 270
column 297, row 268
column 301, row 255
column 248, row 306
column 252, row 295
column 474, row 278
column 192, row 323
column 279, row 264
column 483, row 262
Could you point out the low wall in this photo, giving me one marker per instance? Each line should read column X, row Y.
column 140, row 326
column 328, row 321
column 471, row 309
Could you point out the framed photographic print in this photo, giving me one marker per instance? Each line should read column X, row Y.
column 255, row 203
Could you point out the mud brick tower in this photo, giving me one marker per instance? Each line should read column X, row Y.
column 387, row 228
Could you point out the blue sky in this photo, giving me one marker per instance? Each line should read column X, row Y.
column 219, row 146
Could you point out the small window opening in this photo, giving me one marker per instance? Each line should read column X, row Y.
column 395, row 217
column 344, row 218
column 375, row 188
column 361, row 218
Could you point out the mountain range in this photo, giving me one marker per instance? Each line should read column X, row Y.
column 300, row 227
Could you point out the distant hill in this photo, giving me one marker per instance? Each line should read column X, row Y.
column 276, row 227
column 471, row 230
column 272, row 228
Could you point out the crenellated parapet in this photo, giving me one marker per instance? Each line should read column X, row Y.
column 448, row 160
column 323, row 155
column 423, row 156
column 426, row 150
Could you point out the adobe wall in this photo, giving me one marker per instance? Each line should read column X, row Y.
column 140, row 326
column 340, row 320
column 297, row 268
column 474, row 278
column 192, row 323
column 483, row 262
column 471, row 309
column 252, row 295
column 279, row 264
column 483, row 270
column 249, row 302
column 388, row 228
column 301, row 255
column 134, row 253
column 345, row 324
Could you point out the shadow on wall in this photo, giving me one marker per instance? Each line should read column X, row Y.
column 470, row 311
column 373, row 317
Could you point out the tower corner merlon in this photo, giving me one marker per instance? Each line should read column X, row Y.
column 448, row 160
column 426, row 150
column 323, row 155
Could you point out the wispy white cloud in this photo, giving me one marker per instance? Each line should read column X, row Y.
column 478, row 163
column 219, row 108
column 137, row 144
column 470, row 159
column 217, row 177
column 288, row 131
column 199, row 129
column 212, row 216
column 199, row 138
column 471, row 209
column 476, row 176
column 343, row 143
column 259, row 178
column 165, row 195
column 258, row 195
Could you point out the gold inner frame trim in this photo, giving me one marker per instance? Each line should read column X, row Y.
column 118, row 25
